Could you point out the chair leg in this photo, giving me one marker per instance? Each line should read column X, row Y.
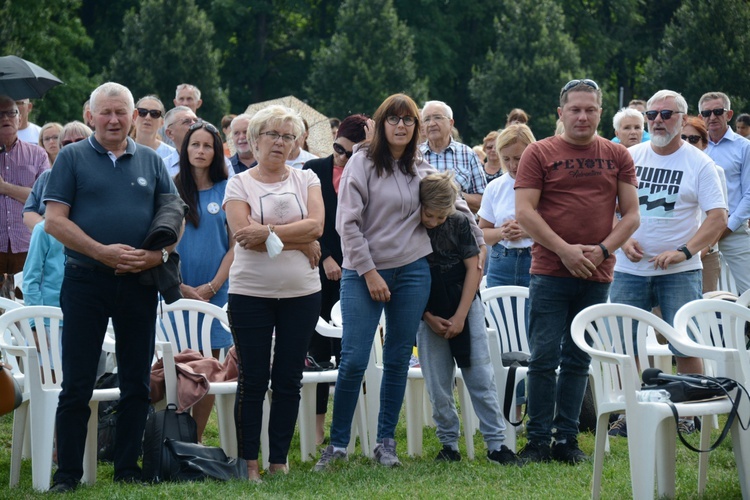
column 741, row 448
column 414, row 418
column 468, row 416
column 20, row 423
column 91, row 447
column 227, row 428
column 264, row 441
column 42, row 436
column 602, row 426
column 703, row 457
column 306, row 421
column 666, row 442
column 641, row 452
column 360, row 419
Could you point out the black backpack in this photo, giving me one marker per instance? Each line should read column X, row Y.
column 163, row 425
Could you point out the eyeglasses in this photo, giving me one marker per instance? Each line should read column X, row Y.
column 53, row 138
column 287, row 138
column 155, row 113
column 666, row 114
column 431, row 118
column 408, row 120
column 717, row 112
column 71, row 141
column 202, row 124
column 573, row 83
column 692, row 139
column 185, row 121
column 9, row 114
column 339, row 149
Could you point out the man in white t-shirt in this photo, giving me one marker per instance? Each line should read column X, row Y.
column 660, row 265
column 27, row 131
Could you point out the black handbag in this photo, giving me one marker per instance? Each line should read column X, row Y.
column 195, row 462
column 513, row 360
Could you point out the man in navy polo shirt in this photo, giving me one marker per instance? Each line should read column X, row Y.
column 100, row 204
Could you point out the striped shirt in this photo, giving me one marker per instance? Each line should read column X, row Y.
column 21, row 165
column 460, row 159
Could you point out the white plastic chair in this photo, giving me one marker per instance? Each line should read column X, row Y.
column 180, row 324
column 719, row 327
column 38, row 355
column 606, row 332
column 726, row 279
column 308, row 396
column 505, row 312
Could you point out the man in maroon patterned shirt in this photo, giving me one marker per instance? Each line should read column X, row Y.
column 21, row 164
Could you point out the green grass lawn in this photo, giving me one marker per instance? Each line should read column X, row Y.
column 419, row 477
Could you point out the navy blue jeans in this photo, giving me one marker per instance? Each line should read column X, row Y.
column 554, row 401
column 508, row 266
column 88, row 298
column 254, row 320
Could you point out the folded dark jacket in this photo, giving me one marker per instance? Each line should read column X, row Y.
column 445, row 296
column 165, row 231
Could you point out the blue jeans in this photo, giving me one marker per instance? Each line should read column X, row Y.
column 555, row 400
column 410, row 288
column 668, row 291
column 255, row 323
column 438, row 369
column 508, row 266
column 88, row 298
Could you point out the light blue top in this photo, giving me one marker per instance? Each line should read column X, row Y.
column 202, row 249
column 646, row 137
column 43, row 270
column 732, row 153
column 34, row 201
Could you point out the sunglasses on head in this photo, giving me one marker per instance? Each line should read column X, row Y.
column 573, row 83
column 717, row 112
column 666, row 114
column 339, row 149
column 155, row 113
column 71, row 141
column 692, row 139
column 202, row 124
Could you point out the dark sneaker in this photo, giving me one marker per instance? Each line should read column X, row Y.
column 385, row 453
column 686, row 426
column 534, row 452
column 327, row 456
column 619, row 427
column 448, row 454
column 568, row 452
column 503, row 456
column 63, row 487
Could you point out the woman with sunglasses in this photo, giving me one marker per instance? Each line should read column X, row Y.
column 49, row 139
column 147, row 123
column 385, row 246
column 695, row 132
column 206, row 248
column 276, row 214
column 33, row 209
column 350, row 132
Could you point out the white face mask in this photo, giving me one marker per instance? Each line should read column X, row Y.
column 274, row 245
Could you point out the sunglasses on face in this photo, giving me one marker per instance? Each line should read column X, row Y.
column 202, row 124
column 573, row 83
column 692, row 139
column 339, row 149
column 408, row 120
column 71, row 141
column 666, row 114
column 9, row 114
column 155, row 113
column 717, row 112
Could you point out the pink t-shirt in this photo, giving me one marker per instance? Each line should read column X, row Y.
column 255, row 273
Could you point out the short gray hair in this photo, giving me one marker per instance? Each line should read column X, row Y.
column 169, row 117
column 182, row 86
column 680, row 101
column 112, row 89
column 625, row 112
column 447, row 109
column 710, row 96
column 241, row 116
column 272, row 116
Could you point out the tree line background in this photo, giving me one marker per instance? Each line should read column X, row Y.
column 482, row 57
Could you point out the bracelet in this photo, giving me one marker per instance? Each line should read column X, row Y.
column 211, row 287
column 684, row 249
column 605, row 252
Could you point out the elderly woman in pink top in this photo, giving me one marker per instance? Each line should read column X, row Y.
column 269, row 205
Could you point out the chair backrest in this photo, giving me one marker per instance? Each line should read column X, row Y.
column 8, row 305
column 33, row 333
column 726, row 279
column 328, row 330
column 719, row 323
column 612, row 334
column 744, row 299
column 186, row 324
column 505, row 312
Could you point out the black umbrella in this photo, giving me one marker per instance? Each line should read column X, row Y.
column 21, row 79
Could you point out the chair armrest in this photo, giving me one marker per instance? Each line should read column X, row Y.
column 170, row 372
column 683, row 343
column 327, row 330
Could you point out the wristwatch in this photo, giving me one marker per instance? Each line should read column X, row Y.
column 684, row 249
column 164, row 255
column 605, row 252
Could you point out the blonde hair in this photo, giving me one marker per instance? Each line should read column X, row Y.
column 511, row 135
column 274, row 116
column 439, row 192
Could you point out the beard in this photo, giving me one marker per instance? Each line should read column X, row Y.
column 661, row 141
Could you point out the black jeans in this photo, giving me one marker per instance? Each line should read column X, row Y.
column 89, row 297
column 253, row 321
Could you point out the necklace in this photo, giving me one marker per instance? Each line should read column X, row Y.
column 268, row 180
